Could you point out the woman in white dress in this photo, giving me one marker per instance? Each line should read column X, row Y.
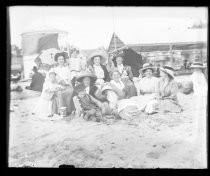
column 126, row 74
column 147, row 86
column 47, row 105
column 125, row 107
column 63, row 77
column 166, row 98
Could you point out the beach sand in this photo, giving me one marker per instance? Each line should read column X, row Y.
column 155, row 141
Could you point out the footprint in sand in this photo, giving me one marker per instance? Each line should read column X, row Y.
column 154, row 155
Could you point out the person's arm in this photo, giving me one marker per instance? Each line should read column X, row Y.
column 96, row 93
column 130, row 74
column 97, row 102
column 69, row 77
column 77, row 106
column 156, row 84
column 106, row 74
column 173, row 91
column 119, row 92
column 157, row 93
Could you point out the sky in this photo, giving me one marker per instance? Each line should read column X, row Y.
column 92, row 27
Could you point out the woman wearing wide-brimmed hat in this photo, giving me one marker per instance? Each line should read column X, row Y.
column 147, row 87
column 125, row 73
column 198, row 79
column 166, row 99
column 63, row 77
column 96, row 65
column 147, row 84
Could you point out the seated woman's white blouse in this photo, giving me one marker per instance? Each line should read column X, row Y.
column 63, row 73
column 99, row 72
column 120, row 68
column 199, row 84
column 119, row 85
column 148, row 85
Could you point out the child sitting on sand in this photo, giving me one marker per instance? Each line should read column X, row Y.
column 47, row 105
column 87, row 106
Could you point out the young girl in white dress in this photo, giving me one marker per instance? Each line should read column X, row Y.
column 48, row 105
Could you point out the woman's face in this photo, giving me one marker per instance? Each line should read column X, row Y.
column 116, row 76
column 119, row 60
column 148, row 73
column 96, row 60
column 86, row 81
column 61, row 60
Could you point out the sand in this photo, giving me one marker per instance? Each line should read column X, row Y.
column 155, row 141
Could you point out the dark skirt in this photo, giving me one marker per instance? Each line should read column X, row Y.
column 168, row 105
column 64, row 98
column 130, row 89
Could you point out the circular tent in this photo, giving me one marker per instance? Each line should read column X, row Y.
column 39, row 40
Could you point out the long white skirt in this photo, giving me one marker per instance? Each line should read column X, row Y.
column 43, row 108
column 143, row 100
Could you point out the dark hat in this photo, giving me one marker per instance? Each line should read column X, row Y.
column 52, row 72
column 79, row 88
column 86, row 74
column 34, row 68
column 116, row 55
column 64, row 54
column 168, row 69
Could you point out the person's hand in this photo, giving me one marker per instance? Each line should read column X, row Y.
column 90, row 68
column 92, row 112
column 124, row 78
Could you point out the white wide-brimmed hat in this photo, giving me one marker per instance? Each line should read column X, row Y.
column 147, row 66
column 106, row 87
column 197, row 65
column 82, row 75
column 168, row 69
column 102, row 54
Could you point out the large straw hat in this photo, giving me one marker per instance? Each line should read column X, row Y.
column 106, row 87
column 168, row 69
column 102, row 54
column 147, row 66
column 86, row 74
column 197, row 65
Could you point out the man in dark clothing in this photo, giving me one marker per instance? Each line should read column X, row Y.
column 37, row 81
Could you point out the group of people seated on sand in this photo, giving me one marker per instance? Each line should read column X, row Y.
column 95, row 93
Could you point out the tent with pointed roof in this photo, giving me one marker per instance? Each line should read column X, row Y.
column 115, row 43
column 131, row 57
